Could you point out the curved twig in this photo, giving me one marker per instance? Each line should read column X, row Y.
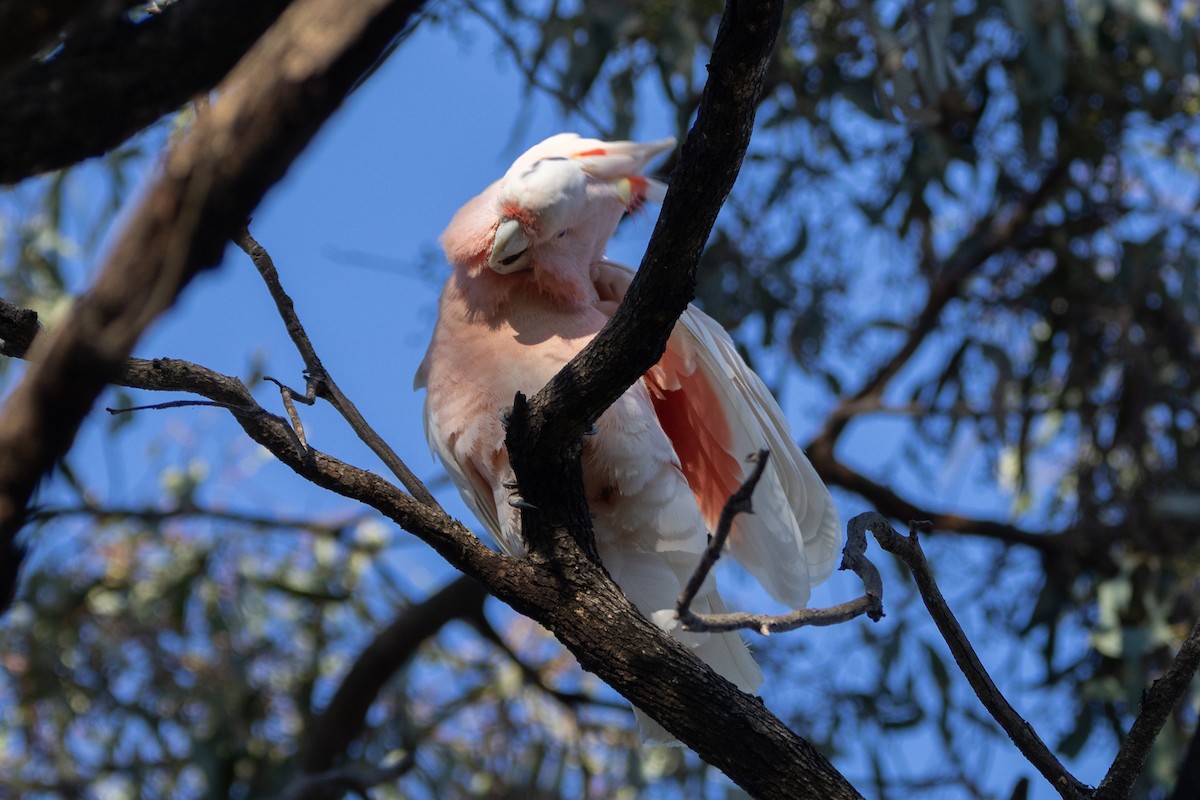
column 908, row 550
column 319, row 378
column 1157, row 704
column 853, row 558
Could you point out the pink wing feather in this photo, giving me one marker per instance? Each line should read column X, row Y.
column 716, row 412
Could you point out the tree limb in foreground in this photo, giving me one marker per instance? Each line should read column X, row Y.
column 319, row 378
column 109, row 80
column 269, row 108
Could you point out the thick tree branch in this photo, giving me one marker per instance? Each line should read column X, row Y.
column 573, row 598
column 267, row 111
column 702, row 709
column 635, row 338
column 113, row 77
column 453, row 541
column 559, row 585
column 576, row 601
column 319, row 377
column 908, row 549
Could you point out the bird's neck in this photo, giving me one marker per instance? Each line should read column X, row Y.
column 492, row 297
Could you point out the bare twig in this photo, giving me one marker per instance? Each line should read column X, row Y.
column 319, row 377
column 178, row 404
column 286, row 393
column 853, row 558
column 738, row 503
column 1157, row 704
column 908, row 549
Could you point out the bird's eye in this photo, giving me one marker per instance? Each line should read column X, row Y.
column 561, row 234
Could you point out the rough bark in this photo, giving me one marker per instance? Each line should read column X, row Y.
column 112, row 78
column 27, row 27
column 211, row 181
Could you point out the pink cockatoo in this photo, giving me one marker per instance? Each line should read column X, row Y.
column 530, row 287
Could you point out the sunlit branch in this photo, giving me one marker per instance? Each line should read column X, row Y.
column 908, row 549
column 271, row 105
column 319, row 378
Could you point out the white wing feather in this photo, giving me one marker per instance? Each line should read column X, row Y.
column 793, row 540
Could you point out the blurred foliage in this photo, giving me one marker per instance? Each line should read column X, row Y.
column 1011, row 186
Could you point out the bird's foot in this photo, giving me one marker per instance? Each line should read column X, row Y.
column 516, row 501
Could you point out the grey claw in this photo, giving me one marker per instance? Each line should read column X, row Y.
column 509, row 485
column 517, row 502
column 592, row 431
column 505, row 414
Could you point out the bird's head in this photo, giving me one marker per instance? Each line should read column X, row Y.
column 539, row 208
column 553, row 212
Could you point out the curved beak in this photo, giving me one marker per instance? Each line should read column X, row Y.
column 510, row 243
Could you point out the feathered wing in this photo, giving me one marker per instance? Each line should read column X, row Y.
column 717, row 412
column 457, row 440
